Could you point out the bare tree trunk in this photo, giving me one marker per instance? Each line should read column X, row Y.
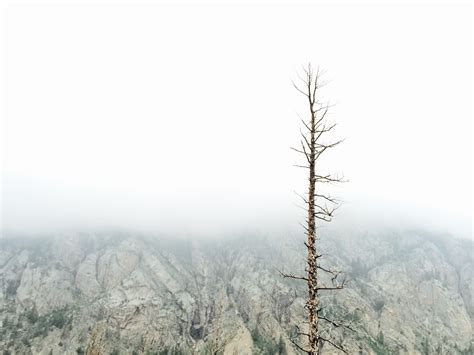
column 313, row 300
column 320, row 206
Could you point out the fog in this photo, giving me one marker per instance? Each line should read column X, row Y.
column 180, row 117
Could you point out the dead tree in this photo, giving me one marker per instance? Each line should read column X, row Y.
column 319, row 207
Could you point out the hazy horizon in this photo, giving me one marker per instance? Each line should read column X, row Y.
column 174, row 117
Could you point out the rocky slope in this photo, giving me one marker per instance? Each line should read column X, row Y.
column 124, row 293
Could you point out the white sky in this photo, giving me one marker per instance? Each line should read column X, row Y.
column 142, row 114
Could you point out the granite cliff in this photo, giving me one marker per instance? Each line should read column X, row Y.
column 409, row 292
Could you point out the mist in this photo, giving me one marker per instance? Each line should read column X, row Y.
column 179, row 118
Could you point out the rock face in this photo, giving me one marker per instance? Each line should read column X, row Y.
column 408, row 293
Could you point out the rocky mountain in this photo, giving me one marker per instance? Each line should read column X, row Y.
column 408, row 292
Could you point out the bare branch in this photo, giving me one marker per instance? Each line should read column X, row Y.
column 304, row 152
column 315, row 84
column 304, row 227
column 308, row 144
column 291, row 276
column 297, row 88
column 331, row 145
column 335, row 287
column 325, row 211
column 328, row 178
column 302, row 197
column 293, row 341
column 304, row 123
column 339, row 347
column 297, row 150
column 336, row 324
column 327, row 198
column 318, row 121
column 308, row 157
column 325, row 219
column 329, row 271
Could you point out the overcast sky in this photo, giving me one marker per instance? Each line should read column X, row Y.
column 157, row 116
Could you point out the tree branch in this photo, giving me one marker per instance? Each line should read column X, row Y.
column 291, row 276
column 339, row 347
column 336, row 324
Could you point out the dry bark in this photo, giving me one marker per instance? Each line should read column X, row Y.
column 319, row 206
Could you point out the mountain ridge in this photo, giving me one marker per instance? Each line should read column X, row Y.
column 409, row 293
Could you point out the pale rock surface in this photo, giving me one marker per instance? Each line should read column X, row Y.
column 407, row 293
